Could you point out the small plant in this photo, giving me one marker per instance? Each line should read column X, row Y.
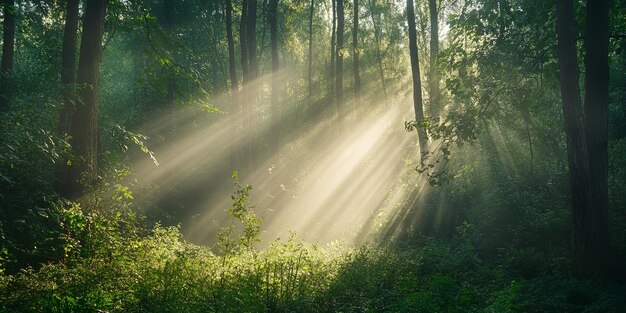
column 243, row 213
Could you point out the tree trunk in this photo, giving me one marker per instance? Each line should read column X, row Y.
column 252, row 77
column 251, row 39
column 434, row 53
column 84, row 126
column 274, row 131
column 355, row 49
column 590, row 234
column 379, row 60
column 417, row 85
column 333, row 54
column 596, row 127
column 234, row 85
column 8, row 50
column 68, row 80
column 339, row 70
column 310, row 65
column 243, row 41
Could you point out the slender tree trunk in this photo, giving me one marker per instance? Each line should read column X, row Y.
column 529, row 138
column 8, row 50
column 355, row 49
column 310, row 65
column 333, row 54
column 243, row 41
column 169, row 24
column 596, row 127
column 251, row 37
column 253, row 75
column 339, row 70
column 434, row 53
column 274, row 132
column 84, row 126
column 379, row 60
column 232, row 68
column 417, row 85
column 234, row 85
column 68, row 80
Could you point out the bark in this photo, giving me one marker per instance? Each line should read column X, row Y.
column 169, row 23
column 434, row 53
column 251, row 88
column 232, row 70
column 589, row 238
column 234, row 85
column 596, row 109
column 251, row 39
column 379, row 61
column 333, row 42
column 274, row 109
column 84, row 125
column 355, row 49
column 339, row 53
column 8, row 51
column 68, row 80
column 310, row 61
column 415, row 71
column 243, row 40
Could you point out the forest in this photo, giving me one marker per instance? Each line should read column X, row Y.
column 313, row 156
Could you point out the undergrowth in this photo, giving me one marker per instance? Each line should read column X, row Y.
column 112, row 264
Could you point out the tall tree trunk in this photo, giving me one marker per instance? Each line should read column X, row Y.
column 434, row 53
column 232, row 68
column 333, row 54
column 310, row 61
column 251, row 94
column 274, row 132
column 243, row 41
column 379, row 61
column 68, row 80
column 84, row 126
column 589, row 216
column 170, row 20
column 8, row 50
column 417, row 85
column 596, row 127
column 251, row 39
column 339, row 70
column 234, row 85
column 355, row 49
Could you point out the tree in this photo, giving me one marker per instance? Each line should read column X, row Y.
column 355, row 49
column 84, row 124
column 333, row 42
column 434, row 52
column 273, row 11
column 417, row 84
column 169, row 24
column 68, row 80
column 379, row 61
column 339, row 52
column 310, row 60
column 596, row 129
column 251, row 39
column 586, row 132
column 8, row 50
column 251, row 84
column 232, row 69
column 243, row 41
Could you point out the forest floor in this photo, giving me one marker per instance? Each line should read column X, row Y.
column 160, row 272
